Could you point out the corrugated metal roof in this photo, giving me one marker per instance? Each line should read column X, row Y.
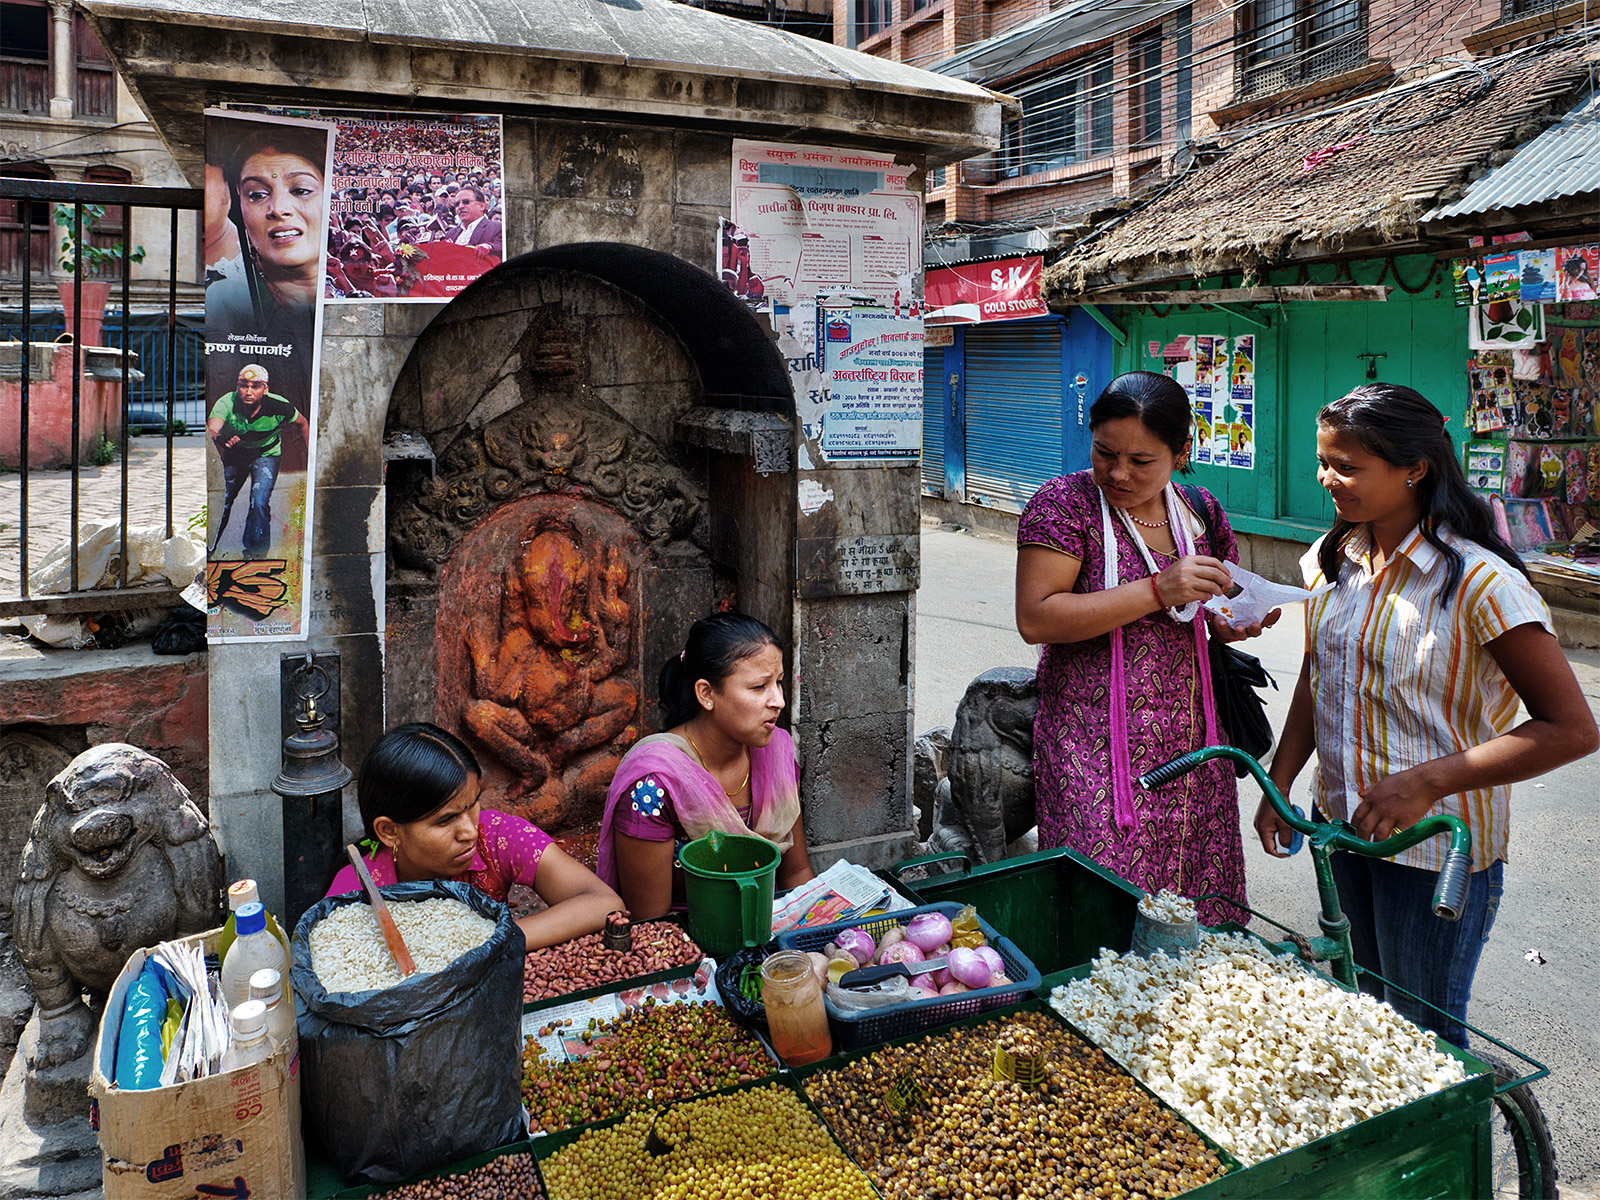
column 1564, row 160
column 1010, row 53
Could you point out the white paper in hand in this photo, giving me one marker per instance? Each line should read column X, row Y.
column 1256, row 597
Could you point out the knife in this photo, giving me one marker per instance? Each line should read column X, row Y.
column 391, row 931
column 865, row 976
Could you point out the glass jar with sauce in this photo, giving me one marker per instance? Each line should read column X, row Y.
column 797, row 1022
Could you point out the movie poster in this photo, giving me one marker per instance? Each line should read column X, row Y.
column 265, row 246
column 415, row 204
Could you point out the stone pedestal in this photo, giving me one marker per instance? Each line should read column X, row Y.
column 47, row 1146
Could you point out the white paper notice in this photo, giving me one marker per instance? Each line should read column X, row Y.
column 1256, row 598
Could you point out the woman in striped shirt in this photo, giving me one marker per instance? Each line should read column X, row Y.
column 1414, row 666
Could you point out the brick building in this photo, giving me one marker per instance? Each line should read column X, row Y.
column 1163, row 151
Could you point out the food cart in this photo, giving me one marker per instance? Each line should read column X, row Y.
column 1058, row 911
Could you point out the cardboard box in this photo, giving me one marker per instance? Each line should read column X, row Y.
column 231, row 1135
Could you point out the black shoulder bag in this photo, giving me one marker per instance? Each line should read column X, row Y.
column 1235, row 675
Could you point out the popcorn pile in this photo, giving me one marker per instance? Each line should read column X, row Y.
column 1166, row 905
column 1258, row 1052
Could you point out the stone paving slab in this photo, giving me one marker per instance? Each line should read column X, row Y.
column 99, row 497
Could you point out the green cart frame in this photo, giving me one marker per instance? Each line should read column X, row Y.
column 1061, row 909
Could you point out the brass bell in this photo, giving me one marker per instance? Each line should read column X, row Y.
column 311, row 763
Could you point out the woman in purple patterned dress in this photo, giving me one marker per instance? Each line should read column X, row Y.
column 1124, row 681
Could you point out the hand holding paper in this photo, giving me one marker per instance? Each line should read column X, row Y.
column 1252, row 598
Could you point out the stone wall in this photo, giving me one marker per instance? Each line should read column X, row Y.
column 584, row 187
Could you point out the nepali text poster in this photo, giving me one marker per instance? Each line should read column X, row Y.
column 416, row 203
column 872, row 363
column 265, row 244
column 1242, row 395
column 809, row 219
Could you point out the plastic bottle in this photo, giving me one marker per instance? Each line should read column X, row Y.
column 254, row 949
column 251, row 1044
column 241, row 892
column 266, row 986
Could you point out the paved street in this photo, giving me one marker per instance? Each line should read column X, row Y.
column 99, row 496
column 965, row 626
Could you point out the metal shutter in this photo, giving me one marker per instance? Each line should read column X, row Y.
column 933, row 384
column 1013, row 411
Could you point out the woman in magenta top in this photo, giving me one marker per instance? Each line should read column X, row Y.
column 419, row 797
column 722, row 763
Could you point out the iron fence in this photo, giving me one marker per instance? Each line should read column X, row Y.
column 160, row 391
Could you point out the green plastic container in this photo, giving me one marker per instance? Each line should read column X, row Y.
column 728, row 879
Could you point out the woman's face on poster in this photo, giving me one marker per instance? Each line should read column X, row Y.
column 281, row 197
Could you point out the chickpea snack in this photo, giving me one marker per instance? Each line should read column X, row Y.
column 761, row 1143
column 1088, row 1130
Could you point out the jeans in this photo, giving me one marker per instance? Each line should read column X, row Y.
column 262, row 473
column 1394, row 932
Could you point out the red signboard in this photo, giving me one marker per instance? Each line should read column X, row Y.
column 1005, row 290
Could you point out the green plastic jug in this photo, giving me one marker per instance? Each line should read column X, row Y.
column 728, row 879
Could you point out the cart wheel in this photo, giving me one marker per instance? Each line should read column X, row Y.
column 1522, row 1154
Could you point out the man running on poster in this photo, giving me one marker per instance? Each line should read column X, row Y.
column 247, row 427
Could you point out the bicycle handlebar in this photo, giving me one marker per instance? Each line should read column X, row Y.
column 1449, row 893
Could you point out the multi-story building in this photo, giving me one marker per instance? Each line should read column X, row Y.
column 1166, row 145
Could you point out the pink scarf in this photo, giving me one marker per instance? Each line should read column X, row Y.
column 1121, row 768
column 698, row 799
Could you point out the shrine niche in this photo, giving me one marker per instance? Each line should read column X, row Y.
column 550, row 533
column 538, row 648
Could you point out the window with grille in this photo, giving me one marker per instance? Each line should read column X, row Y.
column 1145, row 95
column 1065, row 120
column 1291, row 42
column 1512, row 9
column 873, row 17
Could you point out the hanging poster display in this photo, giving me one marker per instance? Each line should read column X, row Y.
column 816, row 219
column 1241, row 410
column 266, row 240
column 872, row 365
column 415, row 206
column 1200, row 364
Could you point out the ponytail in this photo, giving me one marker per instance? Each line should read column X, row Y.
column 715, row 644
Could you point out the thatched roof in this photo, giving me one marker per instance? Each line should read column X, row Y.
column 1359, row 174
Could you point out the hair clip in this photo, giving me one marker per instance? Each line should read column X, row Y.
column 681, row 654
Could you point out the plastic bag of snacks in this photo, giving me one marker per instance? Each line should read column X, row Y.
column 408, row 1077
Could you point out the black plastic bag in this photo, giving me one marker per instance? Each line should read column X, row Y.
column 182, row 631
column 428, row 1072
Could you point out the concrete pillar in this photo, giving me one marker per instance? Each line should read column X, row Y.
column 62, row 57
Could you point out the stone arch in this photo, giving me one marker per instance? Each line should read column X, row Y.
column 567, row 490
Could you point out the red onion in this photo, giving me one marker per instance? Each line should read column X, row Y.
column 967, row 966
column 857, row 944
column 900, row 952
column 927, row 931
column 950, row 989
column 992, row 957
column 925, row 983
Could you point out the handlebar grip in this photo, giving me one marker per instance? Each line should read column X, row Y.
column 1450, row 893
column 1175, row 769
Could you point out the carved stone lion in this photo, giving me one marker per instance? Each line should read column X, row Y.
column 987, row 800
column 118, row 858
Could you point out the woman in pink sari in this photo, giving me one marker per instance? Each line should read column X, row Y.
column 722, row 763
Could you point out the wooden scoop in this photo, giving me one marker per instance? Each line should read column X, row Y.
column 391, row 931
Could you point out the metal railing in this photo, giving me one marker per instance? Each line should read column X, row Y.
column 126, row 198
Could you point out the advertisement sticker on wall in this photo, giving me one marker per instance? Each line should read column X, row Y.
column 1241, row 414
column 872, row 365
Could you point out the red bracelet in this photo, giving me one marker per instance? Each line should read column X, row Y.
column 1157, row 591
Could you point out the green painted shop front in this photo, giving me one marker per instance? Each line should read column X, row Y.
column 1307, row 354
